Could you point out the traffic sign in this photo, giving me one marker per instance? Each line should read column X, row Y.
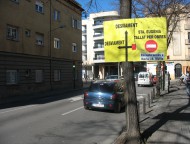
column 151, row 46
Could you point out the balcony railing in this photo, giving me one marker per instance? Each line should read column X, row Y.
column 99, row 58
column 83, row 42
column 84, row 50
column 83, row 31
column 98, row 35
column 96, row 46
column 97, row 23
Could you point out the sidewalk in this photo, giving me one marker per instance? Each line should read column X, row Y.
column 169, row 120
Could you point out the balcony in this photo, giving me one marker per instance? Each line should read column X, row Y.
column 83, row 42
column 99, row 59
column 98, row 47
column 97, row 26
column 84, row 50
column 187, row 41
column 98, row 36
column 187, row 26
column 84, row 32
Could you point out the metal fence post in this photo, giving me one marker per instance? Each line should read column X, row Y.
column 148, row 100
column 151, row 96
column 144, row 105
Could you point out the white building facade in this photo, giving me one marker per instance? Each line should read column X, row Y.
column 94, row 65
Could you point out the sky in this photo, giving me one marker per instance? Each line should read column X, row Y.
column 101, row 5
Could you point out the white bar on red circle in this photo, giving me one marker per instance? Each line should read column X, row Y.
column 150, row 45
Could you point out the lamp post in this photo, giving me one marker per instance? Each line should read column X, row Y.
column 74, row 75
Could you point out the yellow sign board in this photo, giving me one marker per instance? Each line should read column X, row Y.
column 146, row 39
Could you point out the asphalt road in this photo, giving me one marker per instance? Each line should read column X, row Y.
column 60, row 121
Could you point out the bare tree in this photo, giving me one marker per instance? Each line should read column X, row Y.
column 173, row 10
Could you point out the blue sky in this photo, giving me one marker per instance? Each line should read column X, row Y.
column 102, row 5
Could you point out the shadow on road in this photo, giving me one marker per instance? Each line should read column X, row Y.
column 40, row 99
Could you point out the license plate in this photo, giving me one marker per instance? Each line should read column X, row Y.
column 98, row 105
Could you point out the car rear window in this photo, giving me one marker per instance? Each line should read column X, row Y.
column 143, row 75
column 102, row 87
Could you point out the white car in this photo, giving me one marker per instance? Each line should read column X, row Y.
column 145, row 79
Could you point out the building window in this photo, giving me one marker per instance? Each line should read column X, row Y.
column 11, row 77
column 39, row 39
column 39, row 76
column 57, row 43
column 74, row 47
column 57, row 75
column 76, row 23
column 16, row 1
column 12, row 32
column 27, row 33
column 189, row 35
column 56, row 15
column 39, row 6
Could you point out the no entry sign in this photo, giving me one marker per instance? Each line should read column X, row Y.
column 151, row 46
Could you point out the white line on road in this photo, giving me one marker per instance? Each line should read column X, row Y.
column 75, row 99
column 72, row 111
column 17, row 109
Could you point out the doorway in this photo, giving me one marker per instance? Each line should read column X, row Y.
column 178, row 70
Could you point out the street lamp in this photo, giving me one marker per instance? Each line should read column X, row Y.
column 74, row 74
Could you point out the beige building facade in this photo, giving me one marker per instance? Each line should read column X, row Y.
column 179, row 48
column 40, row 46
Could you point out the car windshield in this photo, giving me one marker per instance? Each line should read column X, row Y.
column 102, row 87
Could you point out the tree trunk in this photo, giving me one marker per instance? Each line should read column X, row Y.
column 131, row 111
column 132, row 134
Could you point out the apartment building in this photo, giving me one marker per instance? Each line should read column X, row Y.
column 179, row 48
column 94, row 65
column 40, row 46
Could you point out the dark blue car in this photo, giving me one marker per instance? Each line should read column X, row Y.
column 107, row 95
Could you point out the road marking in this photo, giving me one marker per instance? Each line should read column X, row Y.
column 75, row 99
column 17, row 109
column 72, row 111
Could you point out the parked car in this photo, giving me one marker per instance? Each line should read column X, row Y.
column 112, row 77
column 107, row 95
column 145, row 79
